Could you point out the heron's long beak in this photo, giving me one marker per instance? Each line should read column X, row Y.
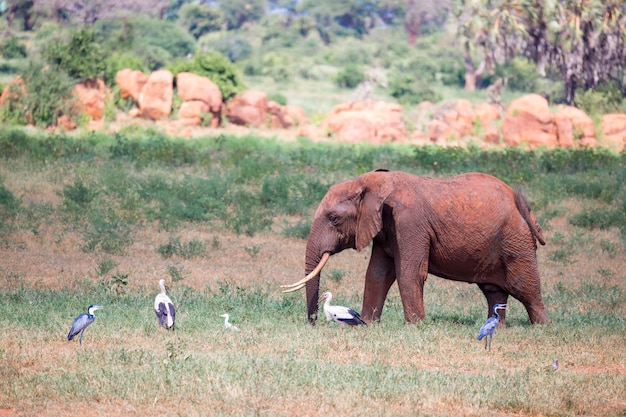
column 97, row 307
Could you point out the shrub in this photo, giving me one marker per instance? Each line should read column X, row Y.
column 165, row 35
column 522, row 75
column 350, row 76
column 407, row 90
column 214, row 66
column 605, row 98
column 233, row 47
column 46, row 95
column 11, row 48
column 278, row 98
column 80, row 57
column 199, row 19
column 117, row 61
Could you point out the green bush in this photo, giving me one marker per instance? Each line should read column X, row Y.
column 214, row 66
column 46, row 96
column 199, row 19
column 165, row 35
column 605, row 98
column 80, row 56
column 350, row 76
column 117, row 61
column 12, row 48
column 522, row 75
column 234, row 48
column 407, row 90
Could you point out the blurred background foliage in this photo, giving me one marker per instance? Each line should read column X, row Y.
column 568, row 51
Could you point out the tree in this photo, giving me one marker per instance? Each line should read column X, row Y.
column 583, row 42
column 18, row 8
column 200, row 19
column 420, row 13
column 238, row 12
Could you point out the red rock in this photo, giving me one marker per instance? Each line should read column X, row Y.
column 194, row 109
column 367, row 121
column 284, row 117
column 131, row 83
column 582, row 130
column 155, row 100
column 65, row 123
column 192, row 87
column 248, row 109
column 529, row 120
column 90, row 97
column 614, row 131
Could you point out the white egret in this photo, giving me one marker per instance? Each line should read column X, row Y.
column 228, row 325
column 164, row 308
column 343, row 315
column 82, row 322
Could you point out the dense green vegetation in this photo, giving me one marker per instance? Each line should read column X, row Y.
column 406, row 51
column 244, row 183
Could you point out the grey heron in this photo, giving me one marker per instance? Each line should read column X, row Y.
column 489, row 326
column 82, row 322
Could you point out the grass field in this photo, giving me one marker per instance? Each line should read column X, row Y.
column 95, row 221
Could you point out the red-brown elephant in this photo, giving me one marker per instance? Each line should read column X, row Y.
column 471, row 227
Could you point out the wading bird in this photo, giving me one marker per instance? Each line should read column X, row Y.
column 228, row 325
column 489, row 326
column 82, row 322
column 343, row 315
column 164, row 308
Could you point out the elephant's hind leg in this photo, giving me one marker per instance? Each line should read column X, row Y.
column 523, row 283
column 495, row 295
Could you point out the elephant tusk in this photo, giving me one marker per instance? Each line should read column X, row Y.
column 294, row 289
column 298, row 285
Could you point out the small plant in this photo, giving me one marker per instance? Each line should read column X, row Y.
column 176, row 272
column 253, row 250
column 195, row 247
column 105, row 266
column 608, row 247
column 216, row 243
column 301, row 229
column 561, row 255
column 116, row 284
column 336, row 275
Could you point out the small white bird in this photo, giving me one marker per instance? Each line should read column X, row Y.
column 164, row 308
column 228, row 325
column 343, row 315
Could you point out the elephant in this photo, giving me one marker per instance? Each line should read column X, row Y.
column 470, row 227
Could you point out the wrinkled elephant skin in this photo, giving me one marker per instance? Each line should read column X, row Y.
column 472, row 228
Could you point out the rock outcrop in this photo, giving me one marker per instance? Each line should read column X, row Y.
column 155, row 100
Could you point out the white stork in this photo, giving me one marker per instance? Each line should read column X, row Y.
column 343, row 315
column 228, row 325
column 164, row 308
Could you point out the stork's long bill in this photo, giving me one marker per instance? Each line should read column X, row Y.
column 300, row 284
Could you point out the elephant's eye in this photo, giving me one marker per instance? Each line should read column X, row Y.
column 333, row 219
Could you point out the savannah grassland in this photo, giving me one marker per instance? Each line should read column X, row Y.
column 100, row 219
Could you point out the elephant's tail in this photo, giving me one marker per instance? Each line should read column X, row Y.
column 524, row 208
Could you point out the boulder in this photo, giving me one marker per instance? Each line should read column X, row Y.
column 369, row 121
column 10, row 90
column 155, row 100
column 574, row 127
column 614, row 131
column 90, row 96
column 529, row 120
column 284, row 117
column 192, row 87
column 193, row 109
column 452, row 120
column 131, row 83
column 248, row 109
column 487, row 115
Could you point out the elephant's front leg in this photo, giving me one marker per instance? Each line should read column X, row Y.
column 380, row 275
column 411, row 278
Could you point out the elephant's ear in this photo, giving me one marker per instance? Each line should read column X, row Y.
column 370, row 220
